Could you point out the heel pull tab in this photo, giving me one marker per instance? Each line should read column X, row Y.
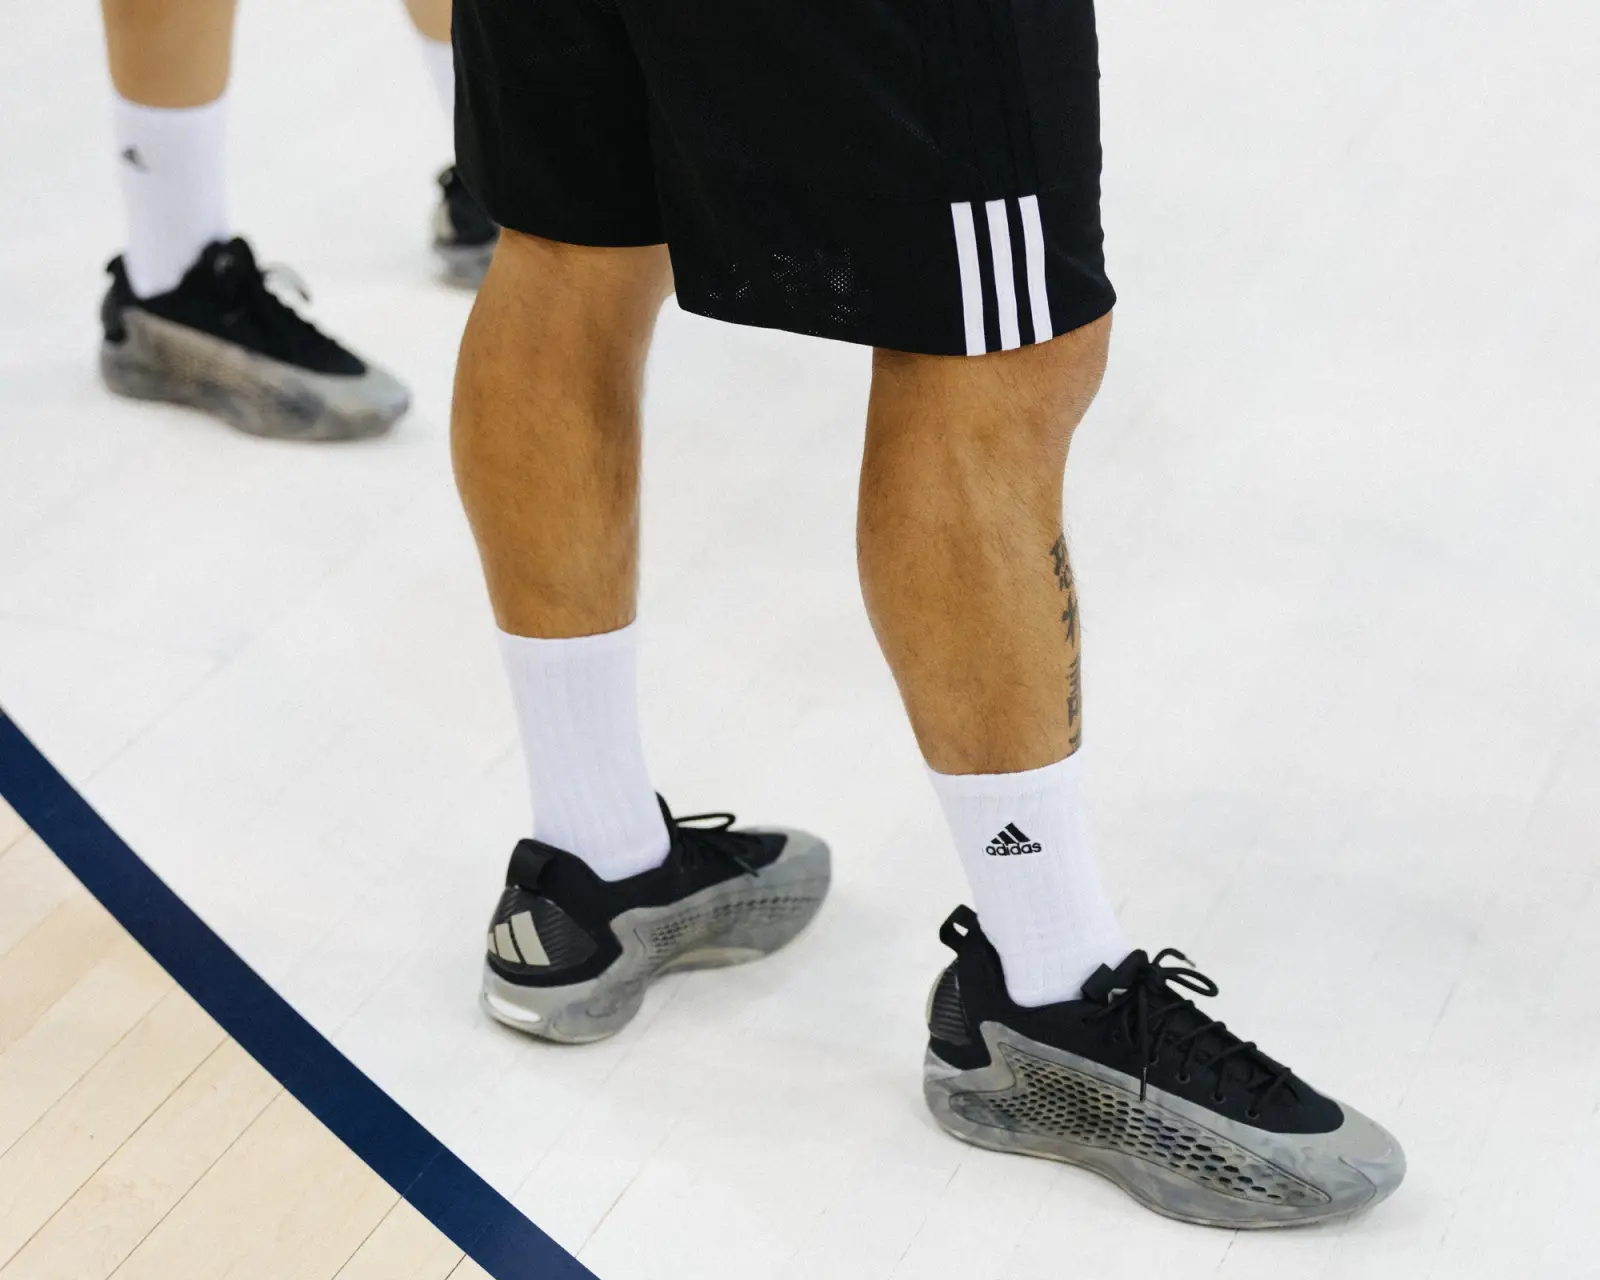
column 961, row 925
column 528, row 861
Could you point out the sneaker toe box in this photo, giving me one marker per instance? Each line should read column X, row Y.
column 1371, row 1162
column 366, row 404
column 804, row 856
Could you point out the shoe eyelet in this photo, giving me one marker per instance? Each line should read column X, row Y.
column 1252, row 1114
column 1219, row 1098
column 1184, row 1078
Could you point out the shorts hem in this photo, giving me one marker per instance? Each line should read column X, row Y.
column 1087, row 313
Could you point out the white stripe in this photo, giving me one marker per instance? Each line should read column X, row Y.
column 503, row 946
column 1005, row 284
column 528, row 942
column 971, row 277
column 1038, row 289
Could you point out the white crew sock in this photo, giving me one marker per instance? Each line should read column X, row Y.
column 577, row 707
column 442, row 71
column 173, row 191
column 1043, row 907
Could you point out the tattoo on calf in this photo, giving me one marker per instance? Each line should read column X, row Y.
column 1075, row 704
column 1069, row 619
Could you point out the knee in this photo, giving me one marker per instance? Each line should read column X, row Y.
column 616, row 288
column 954, row 431
column 1014, row 408
column 559, row 324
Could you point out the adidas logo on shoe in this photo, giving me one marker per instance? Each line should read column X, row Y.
column 517, row 941
column 1010, row 841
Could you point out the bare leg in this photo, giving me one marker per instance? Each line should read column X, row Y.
column 963, row 564
column 545, row 435
column 967, row 580
column 431, row 18
column 545, row 431
column 169, row 53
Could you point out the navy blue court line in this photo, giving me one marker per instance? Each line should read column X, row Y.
column 450, row 1195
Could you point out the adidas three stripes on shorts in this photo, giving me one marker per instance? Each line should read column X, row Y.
column 920, row 175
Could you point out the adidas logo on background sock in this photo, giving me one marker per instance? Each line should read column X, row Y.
column 1010, row 841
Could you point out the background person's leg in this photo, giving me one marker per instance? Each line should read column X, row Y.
column 169, row 64
column 546, row 441
column 431, row 18
column 968, row 583
column 169, row 53
column 463, row 234
column 189, row 317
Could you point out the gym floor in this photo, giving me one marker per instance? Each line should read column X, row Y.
column 1335, row 525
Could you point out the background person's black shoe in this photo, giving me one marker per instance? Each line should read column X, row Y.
column 570, row 955
column 224, row 342
column 464, row 235
column 1136, row 1084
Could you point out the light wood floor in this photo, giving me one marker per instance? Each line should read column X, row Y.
column 138, row 1140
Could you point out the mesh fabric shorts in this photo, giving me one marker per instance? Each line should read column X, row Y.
column 922, row 175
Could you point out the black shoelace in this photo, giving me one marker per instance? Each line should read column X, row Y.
column 241, row 286
column 717, row 841
column 1155, row 1016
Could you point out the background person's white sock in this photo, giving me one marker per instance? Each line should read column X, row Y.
column 1039, row 896
column 442, row 71
column 577, row 707
column 171, row 164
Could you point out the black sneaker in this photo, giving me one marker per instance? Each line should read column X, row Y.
column 224, row 342
column 570, row 955
column 463, row 234
column 1136, row 1084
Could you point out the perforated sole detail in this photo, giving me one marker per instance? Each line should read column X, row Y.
column 722, row 923
column 1055, row 1101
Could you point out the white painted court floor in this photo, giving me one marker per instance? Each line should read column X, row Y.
column 1337, row 522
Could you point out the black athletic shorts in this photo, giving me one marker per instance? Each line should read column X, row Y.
column 922, row 175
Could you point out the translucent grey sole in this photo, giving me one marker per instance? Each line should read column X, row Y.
column 1172, row 1156
column 738, row 920
column 160, row 360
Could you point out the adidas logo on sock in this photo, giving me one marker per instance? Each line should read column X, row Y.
column 1011, row 841
column 132, row 156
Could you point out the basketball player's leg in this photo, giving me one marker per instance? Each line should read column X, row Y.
column 188, row 317
column 968, row 583
column 546, row 444
column 545, row 432
column 964, row 568
column 545, row 437
column 963, row 564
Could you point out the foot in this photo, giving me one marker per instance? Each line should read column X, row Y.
column 224, row 342
column 570, row 955
column 1136, row 1084
column 463, row 234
